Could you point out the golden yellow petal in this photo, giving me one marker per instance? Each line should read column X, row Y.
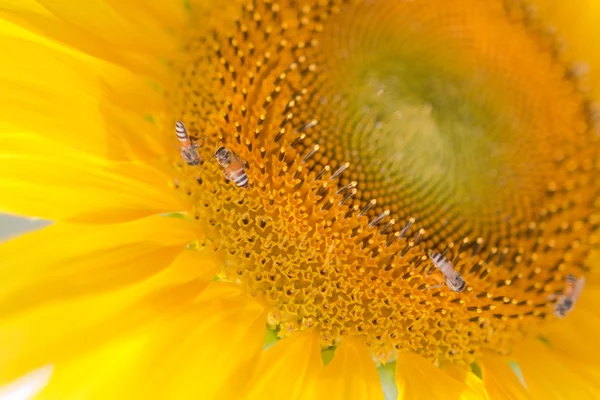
column 101, row 30
column 161, row 15
column 41, row 178
column 115, row 23
column 206, row 350
column 288, row 370
column 468, row 377
column 210, row 351
column 192, row 265
column 61, row 330
column 351, row 375
column 63, row 261
column 588, row 371
column 548, row 375
column 417, row 378
column 100, row 374
column 499, row 379
column 84, row 103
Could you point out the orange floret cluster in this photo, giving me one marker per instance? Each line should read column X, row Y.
column 375, row 133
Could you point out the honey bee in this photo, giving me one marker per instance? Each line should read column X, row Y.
column 188, row 149
column 454, row 280
column 567, row 299
column 233, row 166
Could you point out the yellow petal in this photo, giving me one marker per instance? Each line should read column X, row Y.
column 164, row 10
column 41, row 178
column 466, row 376
column 192, row 265
column 418, row 378
column 99, row 30
column 63, row 260
column 499, row 379
column 288, row 370
column 205, row 351
column 211, row 351
column 83, row 103
column 98, row 374
column 590, row 372
column 549, row 376
column 132, row 31
column 132, row 137
column 59, row 331
column 573, row 335
column 351, row 375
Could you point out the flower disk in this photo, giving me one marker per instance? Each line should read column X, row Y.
column 375, row 133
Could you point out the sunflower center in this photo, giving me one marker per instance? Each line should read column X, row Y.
column 384, row 141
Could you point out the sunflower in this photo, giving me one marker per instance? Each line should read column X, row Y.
column 360, row 190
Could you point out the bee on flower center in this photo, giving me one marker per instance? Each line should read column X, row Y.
column 188, row 148
column 454, row 280
column 233, row 166
column 567, row 299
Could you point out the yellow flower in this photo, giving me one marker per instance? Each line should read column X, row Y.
column 388, row 146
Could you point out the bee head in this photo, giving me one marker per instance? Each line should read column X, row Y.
column 456, row 283
column 223, row 156
column 221, row 151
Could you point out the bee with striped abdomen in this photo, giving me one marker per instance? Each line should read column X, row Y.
column 454, row 280
column 233, row 166
column 567, row 299
column 188, row 148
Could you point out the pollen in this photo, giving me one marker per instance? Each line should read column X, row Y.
column 376, row 135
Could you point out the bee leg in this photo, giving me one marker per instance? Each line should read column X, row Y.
column 226, row 175
column 436, row 286
column 200, row 139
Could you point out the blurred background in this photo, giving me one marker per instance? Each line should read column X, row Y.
column 12, row 226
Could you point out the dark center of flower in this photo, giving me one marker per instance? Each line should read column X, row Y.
column 380, row 135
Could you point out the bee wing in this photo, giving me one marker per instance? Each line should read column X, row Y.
column 236, row 159
column 237, row 162
column 578, row 288
column 439, row 285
